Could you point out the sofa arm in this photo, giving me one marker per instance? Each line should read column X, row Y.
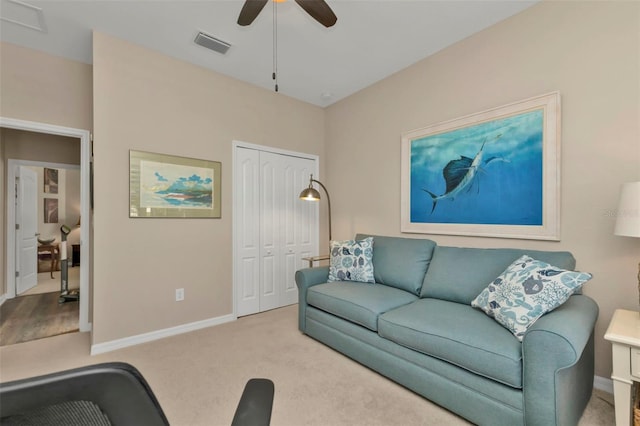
column 306, row 278
column 558, row 365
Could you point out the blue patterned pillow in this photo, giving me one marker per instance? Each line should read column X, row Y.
column 525, row 291
column 351, row 260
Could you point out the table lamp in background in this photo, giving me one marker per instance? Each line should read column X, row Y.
column 628, row 215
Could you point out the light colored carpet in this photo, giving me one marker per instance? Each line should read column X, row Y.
column 46, row 284
column 198, row 377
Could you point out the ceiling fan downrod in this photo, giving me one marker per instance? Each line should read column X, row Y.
column 274, row 76
column 317, row 9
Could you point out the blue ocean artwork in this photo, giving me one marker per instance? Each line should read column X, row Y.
column 165, row 185
column 489, row 173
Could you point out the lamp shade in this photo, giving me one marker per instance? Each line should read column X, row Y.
column 628, row 214
column 310, row 194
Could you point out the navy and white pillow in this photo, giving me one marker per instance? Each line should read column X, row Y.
column 525, row 291
column 351, row 260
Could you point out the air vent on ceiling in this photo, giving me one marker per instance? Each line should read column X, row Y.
column 23, row 14
column 212, row 43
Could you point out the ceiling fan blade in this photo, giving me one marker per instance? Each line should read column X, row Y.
column 319, row 10
column 250, row 11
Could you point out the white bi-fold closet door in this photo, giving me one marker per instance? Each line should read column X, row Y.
column 273, row 228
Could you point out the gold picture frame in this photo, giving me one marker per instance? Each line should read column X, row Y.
column 168, row 186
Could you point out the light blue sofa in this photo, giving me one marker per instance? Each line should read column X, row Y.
column 416, row 326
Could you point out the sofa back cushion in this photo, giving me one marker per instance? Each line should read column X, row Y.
column 459, row 274
column 401, row 262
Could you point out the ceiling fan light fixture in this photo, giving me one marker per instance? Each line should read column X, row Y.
column 318, row 9
column 210, row 42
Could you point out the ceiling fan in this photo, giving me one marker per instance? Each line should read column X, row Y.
column 318, row 9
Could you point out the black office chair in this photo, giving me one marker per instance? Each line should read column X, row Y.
column 109, row 394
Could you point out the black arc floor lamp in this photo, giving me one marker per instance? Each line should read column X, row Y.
column 312, row 194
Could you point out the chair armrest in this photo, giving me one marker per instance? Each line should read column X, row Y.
column 306, row 278
column 558, row 364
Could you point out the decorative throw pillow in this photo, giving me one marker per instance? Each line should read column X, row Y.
column 525, row 291
column 351, row 260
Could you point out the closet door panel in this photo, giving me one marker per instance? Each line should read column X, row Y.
column 296, row 177
column 290, row 249
column 247, row 245
column 270, row 240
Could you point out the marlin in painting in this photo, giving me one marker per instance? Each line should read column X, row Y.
column 459, row 174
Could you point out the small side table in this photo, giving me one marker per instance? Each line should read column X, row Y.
column 313, row 259
column 54, row 251
column 624, row 335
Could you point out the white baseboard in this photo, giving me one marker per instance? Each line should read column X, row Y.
column 3, row 298
column 603, row 384
column 159, row 334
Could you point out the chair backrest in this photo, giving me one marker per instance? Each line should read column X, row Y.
column 103, row 394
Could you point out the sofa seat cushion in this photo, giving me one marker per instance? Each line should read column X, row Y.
column 457, row 334
column 360, row 303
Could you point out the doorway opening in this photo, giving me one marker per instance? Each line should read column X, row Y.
column 9, row 290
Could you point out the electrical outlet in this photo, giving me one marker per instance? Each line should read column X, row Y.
column 179, row 294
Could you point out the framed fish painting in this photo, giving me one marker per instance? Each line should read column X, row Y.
column 173, row 187
column 491, row 174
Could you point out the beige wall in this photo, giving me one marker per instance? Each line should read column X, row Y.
column 44, row 88
column 34, row 146
column 150, row 102
column 590, row 52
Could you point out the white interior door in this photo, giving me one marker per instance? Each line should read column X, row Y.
column 26, row 229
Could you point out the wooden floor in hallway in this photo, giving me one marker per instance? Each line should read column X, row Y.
column 27, row 318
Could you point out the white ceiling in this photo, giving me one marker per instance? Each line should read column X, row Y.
column 371, row 40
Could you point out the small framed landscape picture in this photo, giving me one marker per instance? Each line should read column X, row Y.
column 167, row 186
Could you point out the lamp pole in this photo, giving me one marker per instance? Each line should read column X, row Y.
column 311, row 194
column 328, row 202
